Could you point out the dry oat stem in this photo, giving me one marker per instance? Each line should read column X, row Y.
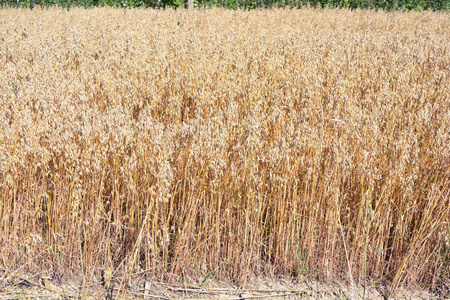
column 170, row 142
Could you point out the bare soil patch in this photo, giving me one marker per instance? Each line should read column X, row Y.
column 19, row 286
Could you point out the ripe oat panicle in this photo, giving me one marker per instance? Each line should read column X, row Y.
column 169, row 143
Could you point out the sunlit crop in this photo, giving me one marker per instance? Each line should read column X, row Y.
column 165, row 143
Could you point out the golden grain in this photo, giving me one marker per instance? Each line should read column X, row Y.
column 172, row 142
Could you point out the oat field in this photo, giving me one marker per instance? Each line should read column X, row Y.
column 169, row 144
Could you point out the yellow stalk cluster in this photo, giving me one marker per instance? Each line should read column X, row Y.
column 289, row 142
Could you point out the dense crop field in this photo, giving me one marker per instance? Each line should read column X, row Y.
column 174, row 143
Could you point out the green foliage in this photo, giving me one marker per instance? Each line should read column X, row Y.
column 240, row 4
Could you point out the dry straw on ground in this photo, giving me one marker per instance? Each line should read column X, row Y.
column 169, row 144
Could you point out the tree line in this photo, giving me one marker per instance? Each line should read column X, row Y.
column 239, row 4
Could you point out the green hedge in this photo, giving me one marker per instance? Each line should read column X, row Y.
column 239, row 4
